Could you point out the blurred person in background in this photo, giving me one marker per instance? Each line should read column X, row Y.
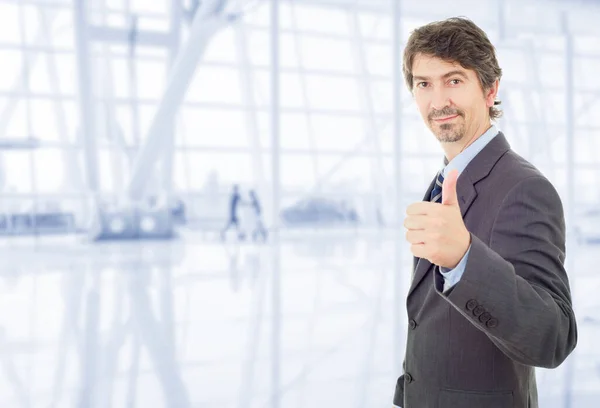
column 234, row 216
column 259, row 228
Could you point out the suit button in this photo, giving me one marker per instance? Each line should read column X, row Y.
column 408, row 378
column 412, row 324
column 492, row 323
column 485, row 317
column 471, row 304
column 478, row 311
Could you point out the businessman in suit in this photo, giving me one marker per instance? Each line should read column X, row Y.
column 489, row 299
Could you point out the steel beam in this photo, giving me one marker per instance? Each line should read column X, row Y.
column 87, row 120
column 398, row 278
column 121, row 36
column 275, row 208
column 202, row 29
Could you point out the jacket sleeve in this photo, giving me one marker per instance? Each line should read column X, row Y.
column 516, row 288
column 452, row 276
column 399, row 393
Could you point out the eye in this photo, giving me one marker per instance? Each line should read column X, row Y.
column 422, row 84
column 455, row 81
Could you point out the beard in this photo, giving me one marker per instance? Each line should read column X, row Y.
column 447, row 132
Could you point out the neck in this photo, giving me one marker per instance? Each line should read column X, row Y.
column 455, row 148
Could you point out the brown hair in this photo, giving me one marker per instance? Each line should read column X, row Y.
column 459, row 40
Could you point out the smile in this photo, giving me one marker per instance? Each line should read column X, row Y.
column 446, row 119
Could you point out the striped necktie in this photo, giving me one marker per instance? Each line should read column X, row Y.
column 436, row 193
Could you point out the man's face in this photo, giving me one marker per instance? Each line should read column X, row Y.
column 450, row 98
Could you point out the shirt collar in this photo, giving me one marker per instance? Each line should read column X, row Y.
column 463, row 159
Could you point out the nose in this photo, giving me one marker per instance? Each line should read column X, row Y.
column 439, row 99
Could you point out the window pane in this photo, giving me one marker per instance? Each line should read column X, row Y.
column 121, row 77
column 321, row 19
column 230, row 167
column 63, row 35
column 379, row 59
column 340, row 133
column 10, row 69
column 215, row 84
column 44, row 120
column 9, row 21
column 18, row 179
column 221, row 47
column 295, row 132
column 155, row 6
column 151, row 77
column 292, row 92
column 50, row 170
column 349, row 173
column 333, row 93
column 588, row 68
column 216, row 128
column 327, row 54
column 17, row 122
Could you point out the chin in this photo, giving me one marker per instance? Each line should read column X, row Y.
column 448, row 133
column 447, row 136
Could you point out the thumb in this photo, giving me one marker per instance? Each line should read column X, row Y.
column 449, row 195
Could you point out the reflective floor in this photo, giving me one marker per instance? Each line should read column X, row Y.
column 190, row 323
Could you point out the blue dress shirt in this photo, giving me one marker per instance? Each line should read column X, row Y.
column 460, row 162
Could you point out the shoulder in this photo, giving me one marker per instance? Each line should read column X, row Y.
column 512, row 170
column 516, row 168
column 518, row 180
column 514, row 178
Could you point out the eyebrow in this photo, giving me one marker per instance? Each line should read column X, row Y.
column 446, row 75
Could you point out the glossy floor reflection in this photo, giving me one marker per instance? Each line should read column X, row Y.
column 188, row 323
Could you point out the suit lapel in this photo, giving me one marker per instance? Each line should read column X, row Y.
column 476, row 170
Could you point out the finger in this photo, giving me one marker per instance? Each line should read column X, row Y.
column 419, row 250
column 421, row 208
column 416, row 237
column 417, row 222
column 449, row 194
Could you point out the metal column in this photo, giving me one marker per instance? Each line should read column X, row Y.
column 398, row 338
column 571, row 180
column 203, row 27
column 276, row 203
column 170, row 126
column 87, row 120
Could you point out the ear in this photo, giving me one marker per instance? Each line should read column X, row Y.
column 491, row 93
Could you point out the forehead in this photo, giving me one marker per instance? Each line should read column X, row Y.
column 432, row 67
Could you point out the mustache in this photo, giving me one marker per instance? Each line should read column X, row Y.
column 442, row 113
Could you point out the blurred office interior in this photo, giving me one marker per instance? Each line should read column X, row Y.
column 201, row 202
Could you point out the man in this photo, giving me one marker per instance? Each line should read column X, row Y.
column 489, row 298
column 234, row 220
column 259, row 228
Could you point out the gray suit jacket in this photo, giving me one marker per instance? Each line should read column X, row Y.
column 477, row 345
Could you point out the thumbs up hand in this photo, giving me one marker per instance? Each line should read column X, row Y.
column 436, row 231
